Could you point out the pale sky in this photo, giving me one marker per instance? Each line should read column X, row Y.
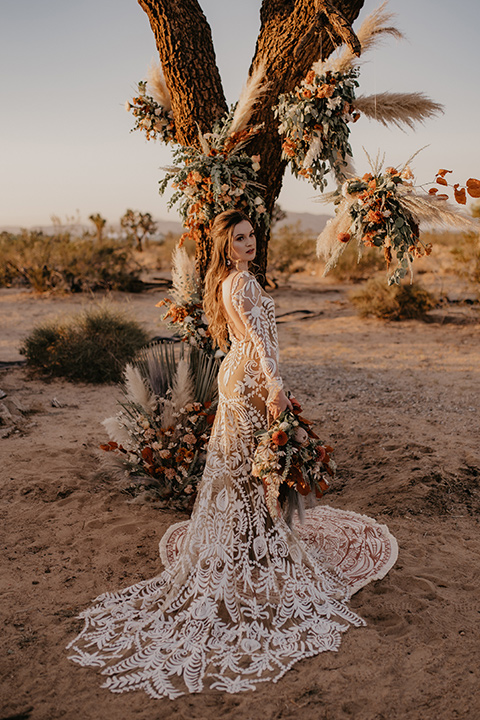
column 69, row 67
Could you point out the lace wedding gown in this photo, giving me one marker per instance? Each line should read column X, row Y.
column 242, row 597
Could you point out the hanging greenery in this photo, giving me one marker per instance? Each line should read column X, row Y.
column 314, row 122
column 384, row 209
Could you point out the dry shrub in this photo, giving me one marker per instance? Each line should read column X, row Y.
column 352, row 267
column 394, row 302
column 466, row 255
column 292, row 249
column 93, row 346
column 64, row 263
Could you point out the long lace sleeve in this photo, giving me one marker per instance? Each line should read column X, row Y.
column 258, row 318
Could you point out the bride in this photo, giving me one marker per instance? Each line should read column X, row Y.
column 245, row 597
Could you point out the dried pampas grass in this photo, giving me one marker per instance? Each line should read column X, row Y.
column 183, row 276
column 136, row 389
column 254, row 89
column 116, row 431
column 398, row 108
column 434, row 211
column 372, row 31
column 328, row 246
column 157, row 86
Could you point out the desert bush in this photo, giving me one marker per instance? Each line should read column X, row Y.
column 353, row 267
column 394, row 302
column 93, row 346
column 63, row 263
column 466, row 255
column 292, row 249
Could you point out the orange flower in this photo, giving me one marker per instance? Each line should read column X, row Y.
column 373, row 216
column 280, row 438
column 310, row 77
column 307, row 93
column 367, row 177
column 296, row 407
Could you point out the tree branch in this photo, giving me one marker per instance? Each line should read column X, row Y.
column 184, row 43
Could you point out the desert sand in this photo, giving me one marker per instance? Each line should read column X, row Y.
column 400, row 404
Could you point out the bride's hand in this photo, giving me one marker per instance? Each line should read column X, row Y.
column 277, row 406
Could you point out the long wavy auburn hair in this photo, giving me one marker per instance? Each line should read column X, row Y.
column 218, row 269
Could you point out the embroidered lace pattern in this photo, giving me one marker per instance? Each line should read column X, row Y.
column 244, row 599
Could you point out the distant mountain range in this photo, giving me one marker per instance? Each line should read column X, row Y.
column 307, row 221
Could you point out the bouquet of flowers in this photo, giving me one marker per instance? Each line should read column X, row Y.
column 158, row 437
column 314, row 121
column 291, row 460
column 151, row 117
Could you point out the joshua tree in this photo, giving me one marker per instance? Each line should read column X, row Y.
column 99, row 223
column 138, row 225
column 293, row 35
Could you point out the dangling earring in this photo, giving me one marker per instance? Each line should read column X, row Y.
column 229, row 262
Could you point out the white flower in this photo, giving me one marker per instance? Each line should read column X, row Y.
column 128, row 107
column 258, row 200
column 284, row 426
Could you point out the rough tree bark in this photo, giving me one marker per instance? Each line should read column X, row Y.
column 293, row 35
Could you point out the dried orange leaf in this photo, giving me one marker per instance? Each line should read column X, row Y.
column 443, row 172
column 441, row 197
column 460, row 195
column 473, row 187
column 441, row 181
column 432, row 191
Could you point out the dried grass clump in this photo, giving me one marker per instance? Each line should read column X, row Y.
column 64, row 263
column 93, row 346
column 394, row 302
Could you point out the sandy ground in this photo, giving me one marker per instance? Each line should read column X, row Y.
column 400, row 404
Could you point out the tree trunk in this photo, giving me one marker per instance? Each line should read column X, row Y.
column 293, row 35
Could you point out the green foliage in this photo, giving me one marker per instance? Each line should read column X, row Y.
column 292, row 249
column 394, row 302
column 63, row 263
column 93, row 346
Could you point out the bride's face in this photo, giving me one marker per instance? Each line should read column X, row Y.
column 244, row 244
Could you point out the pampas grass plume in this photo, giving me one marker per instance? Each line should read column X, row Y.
column 157, row 86
column 116, row 431
column 253, row 90
column 136, row 389
column 398, row 108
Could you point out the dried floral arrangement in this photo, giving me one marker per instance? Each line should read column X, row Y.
column 384, row 209
column 185, row 310
column 152, row 110
column 292, row 462
column 158, row 438
column 314, row 121
column 315, row 117
column 218, row 175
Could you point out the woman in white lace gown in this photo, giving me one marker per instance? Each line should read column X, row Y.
column 245, row 598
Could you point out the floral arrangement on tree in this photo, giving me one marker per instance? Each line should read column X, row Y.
column 185, row 314
column 315, row 117
column 216, row 177
column 384, row 209
column 153, row 112
column 314, row 122
column 158, row 437
column 291, row 461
